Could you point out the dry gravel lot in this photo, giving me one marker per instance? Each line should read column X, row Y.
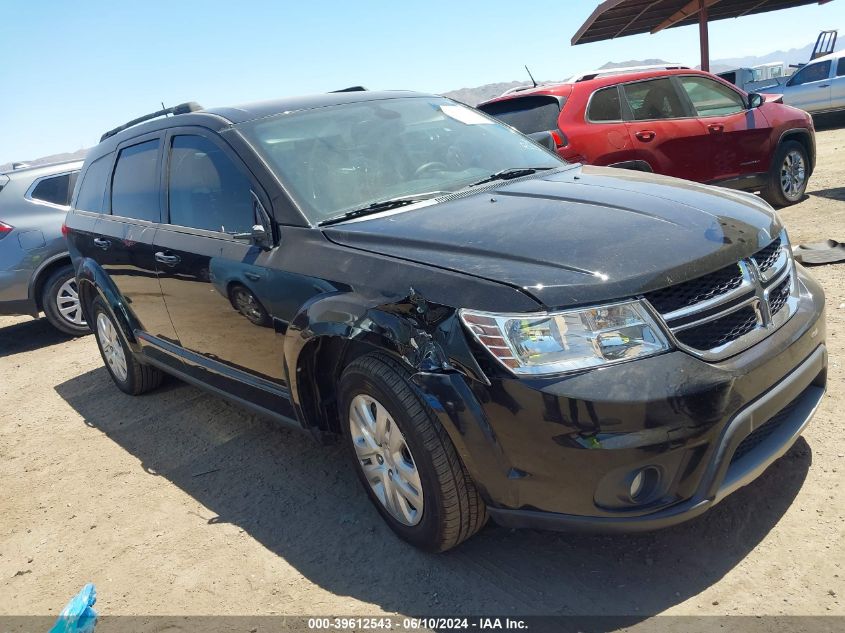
column 180, row 503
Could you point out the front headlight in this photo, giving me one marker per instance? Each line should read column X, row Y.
column 556, row 342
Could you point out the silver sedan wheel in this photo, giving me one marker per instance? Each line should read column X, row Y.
column 386, row 460
column 793, row 173
column 112, row 349
column 67, row 301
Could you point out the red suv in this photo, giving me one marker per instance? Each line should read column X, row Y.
column 684, row 123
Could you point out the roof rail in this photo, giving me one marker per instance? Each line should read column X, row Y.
column 182, row 108
column 350, row 89
column 608, row 72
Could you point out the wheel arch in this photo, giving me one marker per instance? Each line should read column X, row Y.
column 42, row 274
column 94, row 282
column 802, row 136
column 318, row 369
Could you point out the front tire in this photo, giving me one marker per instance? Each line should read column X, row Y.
column 128, row 374
column 788, row 176
column 60, row 302
column 405, row 458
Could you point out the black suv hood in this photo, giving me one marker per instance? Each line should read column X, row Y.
column 583, row 235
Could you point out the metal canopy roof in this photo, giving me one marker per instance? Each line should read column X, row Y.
column 617, row 18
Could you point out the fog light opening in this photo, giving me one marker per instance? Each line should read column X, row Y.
column 643, row 483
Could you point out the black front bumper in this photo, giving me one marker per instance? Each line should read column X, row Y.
column 559, row 453
column 787, row 407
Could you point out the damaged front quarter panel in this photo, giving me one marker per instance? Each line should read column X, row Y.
column 436, row 346
column 429, row 336
column 334, row 328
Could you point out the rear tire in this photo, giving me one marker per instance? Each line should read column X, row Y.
column 128, row 374
column 451, row 509
column 788, row 176
column 61, row 305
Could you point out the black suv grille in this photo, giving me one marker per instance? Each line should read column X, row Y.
column 720, row 331
column 779, row 295
column 691, row 292
column 767, row 257
column 708, row 314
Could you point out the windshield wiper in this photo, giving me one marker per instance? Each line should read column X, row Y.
column 510, row 173
column 382, row 205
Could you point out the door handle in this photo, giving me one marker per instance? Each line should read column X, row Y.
column 169, row 260
column 825, row 86
column 645, row 135
column 252, row 276
column 99, row 242
column 716, row 128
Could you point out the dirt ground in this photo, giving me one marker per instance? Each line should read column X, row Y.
column 180, row 503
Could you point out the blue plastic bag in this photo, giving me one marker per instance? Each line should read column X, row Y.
column 78, row 616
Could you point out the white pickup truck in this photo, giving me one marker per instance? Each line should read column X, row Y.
column 818, row 87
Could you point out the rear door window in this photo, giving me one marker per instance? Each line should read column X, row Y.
column 206, row 189
column 710, row 98
column 840, row 67
column 605, row 105
column 135, row 192
column 55, row 189
column 527, row 114
column 654, row 99
column 93, row 188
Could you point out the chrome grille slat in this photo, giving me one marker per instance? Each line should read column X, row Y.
column 734, row 307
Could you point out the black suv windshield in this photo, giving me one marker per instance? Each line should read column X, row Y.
column 349, row 157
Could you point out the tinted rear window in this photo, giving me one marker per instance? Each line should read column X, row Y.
column 605, row 105
column 526, row 114
column 134, row 189
column 93, row 187
column 840, row 67
column 55, row 190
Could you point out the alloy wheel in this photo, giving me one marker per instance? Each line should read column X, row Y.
column 793, row 173
column 112, row 349
column 385, row 458
column 248, row 306
column 67, row 301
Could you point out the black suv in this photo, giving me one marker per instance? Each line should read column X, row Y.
column 491, row 330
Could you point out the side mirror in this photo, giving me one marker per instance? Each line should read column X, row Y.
column 755, row 100
column 258, row 236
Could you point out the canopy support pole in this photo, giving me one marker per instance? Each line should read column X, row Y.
column 703, row 35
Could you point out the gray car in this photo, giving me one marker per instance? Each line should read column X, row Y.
column 35, row 271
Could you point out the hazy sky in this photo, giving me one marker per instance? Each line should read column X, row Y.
column 72, row 70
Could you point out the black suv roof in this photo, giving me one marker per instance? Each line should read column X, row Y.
column 260, row 109
column 218, row 118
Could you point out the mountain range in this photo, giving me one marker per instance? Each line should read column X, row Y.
column 478, row 94
column 474, row 96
